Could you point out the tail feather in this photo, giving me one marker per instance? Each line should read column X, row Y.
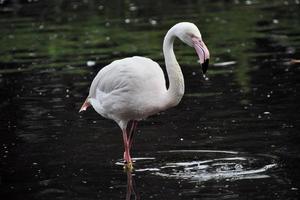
column 85, row 105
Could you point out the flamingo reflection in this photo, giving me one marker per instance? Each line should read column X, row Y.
column 132, row 192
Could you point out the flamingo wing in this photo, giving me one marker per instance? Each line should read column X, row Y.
column 128, row 89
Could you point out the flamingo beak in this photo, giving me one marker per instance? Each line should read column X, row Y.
column 202, row 52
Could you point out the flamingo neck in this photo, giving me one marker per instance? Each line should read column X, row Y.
column 175, row 76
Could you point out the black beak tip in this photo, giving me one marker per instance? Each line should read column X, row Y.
column 205, row 66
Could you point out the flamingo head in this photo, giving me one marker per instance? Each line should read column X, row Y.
column 190, row 34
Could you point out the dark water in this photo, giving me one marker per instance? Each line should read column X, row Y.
column 234, row 136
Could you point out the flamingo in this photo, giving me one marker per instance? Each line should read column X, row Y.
column 131, row 89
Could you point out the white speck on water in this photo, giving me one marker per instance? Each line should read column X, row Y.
column 107, row 38
column 107, row 24
column 67, row 90
column 205, row 77
column 94, row 122
column 238, row 167
column 216, row 18
column 248, row 2
column 267, row 113
column 268, row 96
column 223, row 64
column 181, row 139
column 293, row 188
column 194, row 73
column 90, row 63
column 100, row 7
column 275, row 21
column 132, row 7
column 297, row 1
column 259, row 116
column 127, row 21
column 153, row 22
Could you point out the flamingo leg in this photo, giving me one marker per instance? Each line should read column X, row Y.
column 127, row 157
column 131, row 133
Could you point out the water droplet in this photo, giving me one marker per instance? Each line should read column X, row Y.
column 248, row 2
column 132, row 7
column 238, row 167
column 153, row 22
column 90, row 63
column 205, row 77
column 127, row 21
column 259, row 116
column 275, row 21
column 100, row 7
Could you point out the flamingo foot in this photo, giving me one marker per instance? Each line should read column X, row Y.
column 128, row 166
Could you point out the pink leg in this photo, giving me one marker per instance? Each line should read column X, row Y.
column 132, row 131
column 127, row 157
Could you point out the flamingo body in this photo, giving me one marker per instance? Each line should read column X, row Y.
column 128, row 89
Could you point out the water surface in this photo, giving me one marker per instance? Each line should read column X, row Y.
column 233, row 136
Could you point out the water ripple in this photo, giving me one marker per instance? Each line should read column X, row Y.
column 206, row 165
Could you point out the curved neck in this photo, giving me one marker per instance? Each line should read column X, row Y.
column 176, row 81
